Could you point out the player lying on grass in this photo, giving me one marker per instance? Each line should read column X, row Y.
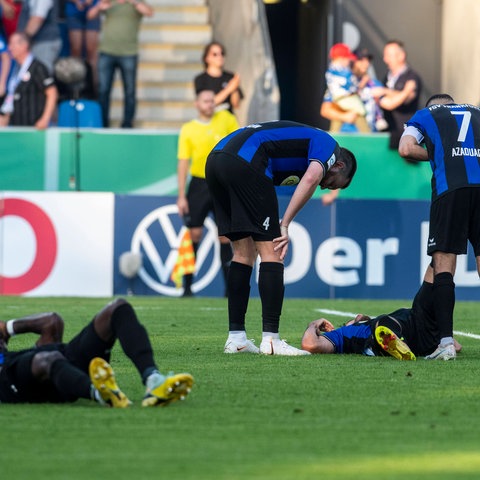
column 56, row 372
column 405, row 333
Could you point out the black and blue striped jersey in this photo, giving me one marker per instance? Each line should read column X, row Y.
column 281, row 150
column 354, row 338
column 451, row 134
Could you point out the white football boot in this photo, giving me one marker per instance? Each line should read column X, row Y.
column 275, row 346
column 246, row 346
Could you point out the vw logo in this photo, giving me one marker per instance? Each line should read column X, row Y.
column 157, row 239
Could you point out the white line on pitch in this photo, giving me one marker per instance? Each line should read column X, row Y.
column 466, row 334
column 336, row 312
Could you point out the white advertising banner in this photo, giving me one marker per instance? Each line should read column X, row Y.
column 56, row 244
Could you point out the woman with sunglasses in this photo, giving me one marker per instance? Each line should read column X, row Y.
column 225, row 84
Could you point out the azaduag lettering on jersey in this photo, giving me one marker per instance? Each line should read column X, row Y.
column 465, row 152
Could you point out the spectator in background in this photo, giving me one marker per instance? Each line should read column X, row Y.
column 340, row 120
column 10, row 12
column 343, row 91
column 225, row 84
column 83, row 34
column 400, row 99
column 119, row 50
column 196, row 140
column 39, row 20
column 5, row 63
column 31, row 94
column 344, row 120
column 368, row 88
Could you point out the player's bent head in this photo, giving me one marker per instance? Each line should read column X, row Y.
column 350, row 162
column 439, row 99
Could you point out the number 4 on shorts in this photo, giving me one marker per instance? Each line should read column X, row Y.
column 266, row 223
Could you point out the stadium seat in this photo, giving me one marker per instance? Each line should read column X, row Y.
column 80, row 113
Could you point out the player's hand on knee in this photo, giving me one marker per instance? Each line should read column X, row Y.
column 280, row 244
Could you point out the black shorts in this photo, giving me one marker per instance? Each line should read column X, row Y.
column 17, row 384
column 455, row 221
column 245, row 201
column 416, row 325
column 398, row 322
column 200, row 202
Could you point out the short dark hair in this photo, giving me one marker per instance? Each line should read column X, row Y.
column 347, row 157
column 207, row 48
column 439, row 99
column 198, row 92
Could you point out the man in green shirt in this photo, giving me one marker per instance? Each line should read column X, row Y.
column 119, row 49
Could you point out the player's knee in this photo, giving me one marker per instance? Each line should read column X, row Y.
column 118, row 302
column 104, row 322
column 107, row 313
column 55, row 326
column 42, row 363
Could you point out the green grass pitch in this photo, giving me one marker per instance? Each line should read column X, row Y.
column 252, row 416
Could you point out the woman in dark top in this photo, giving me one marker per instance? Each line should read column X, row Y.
column 225, row 84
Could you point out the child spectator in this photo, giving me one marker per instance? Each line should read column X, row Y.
column 342, row 87
column 368, row 85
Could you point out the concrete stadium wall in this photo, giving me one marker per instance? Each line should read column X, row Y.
column 461, row 50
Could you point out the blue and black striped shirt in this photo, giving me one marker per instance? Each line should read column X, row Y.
column 452, row 137
column 281, row 150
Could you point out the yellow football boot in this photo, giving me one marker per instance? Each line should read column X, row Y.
column 162, row 391
column 103, row 379
column 392, row 344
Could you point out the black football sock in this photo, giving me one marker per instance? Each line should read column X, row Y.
column 187, row 282
column 70, row 381
column 226, row 255
column 133, row 338
column 444, row 303
column 271, row 289
column 238, row 294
